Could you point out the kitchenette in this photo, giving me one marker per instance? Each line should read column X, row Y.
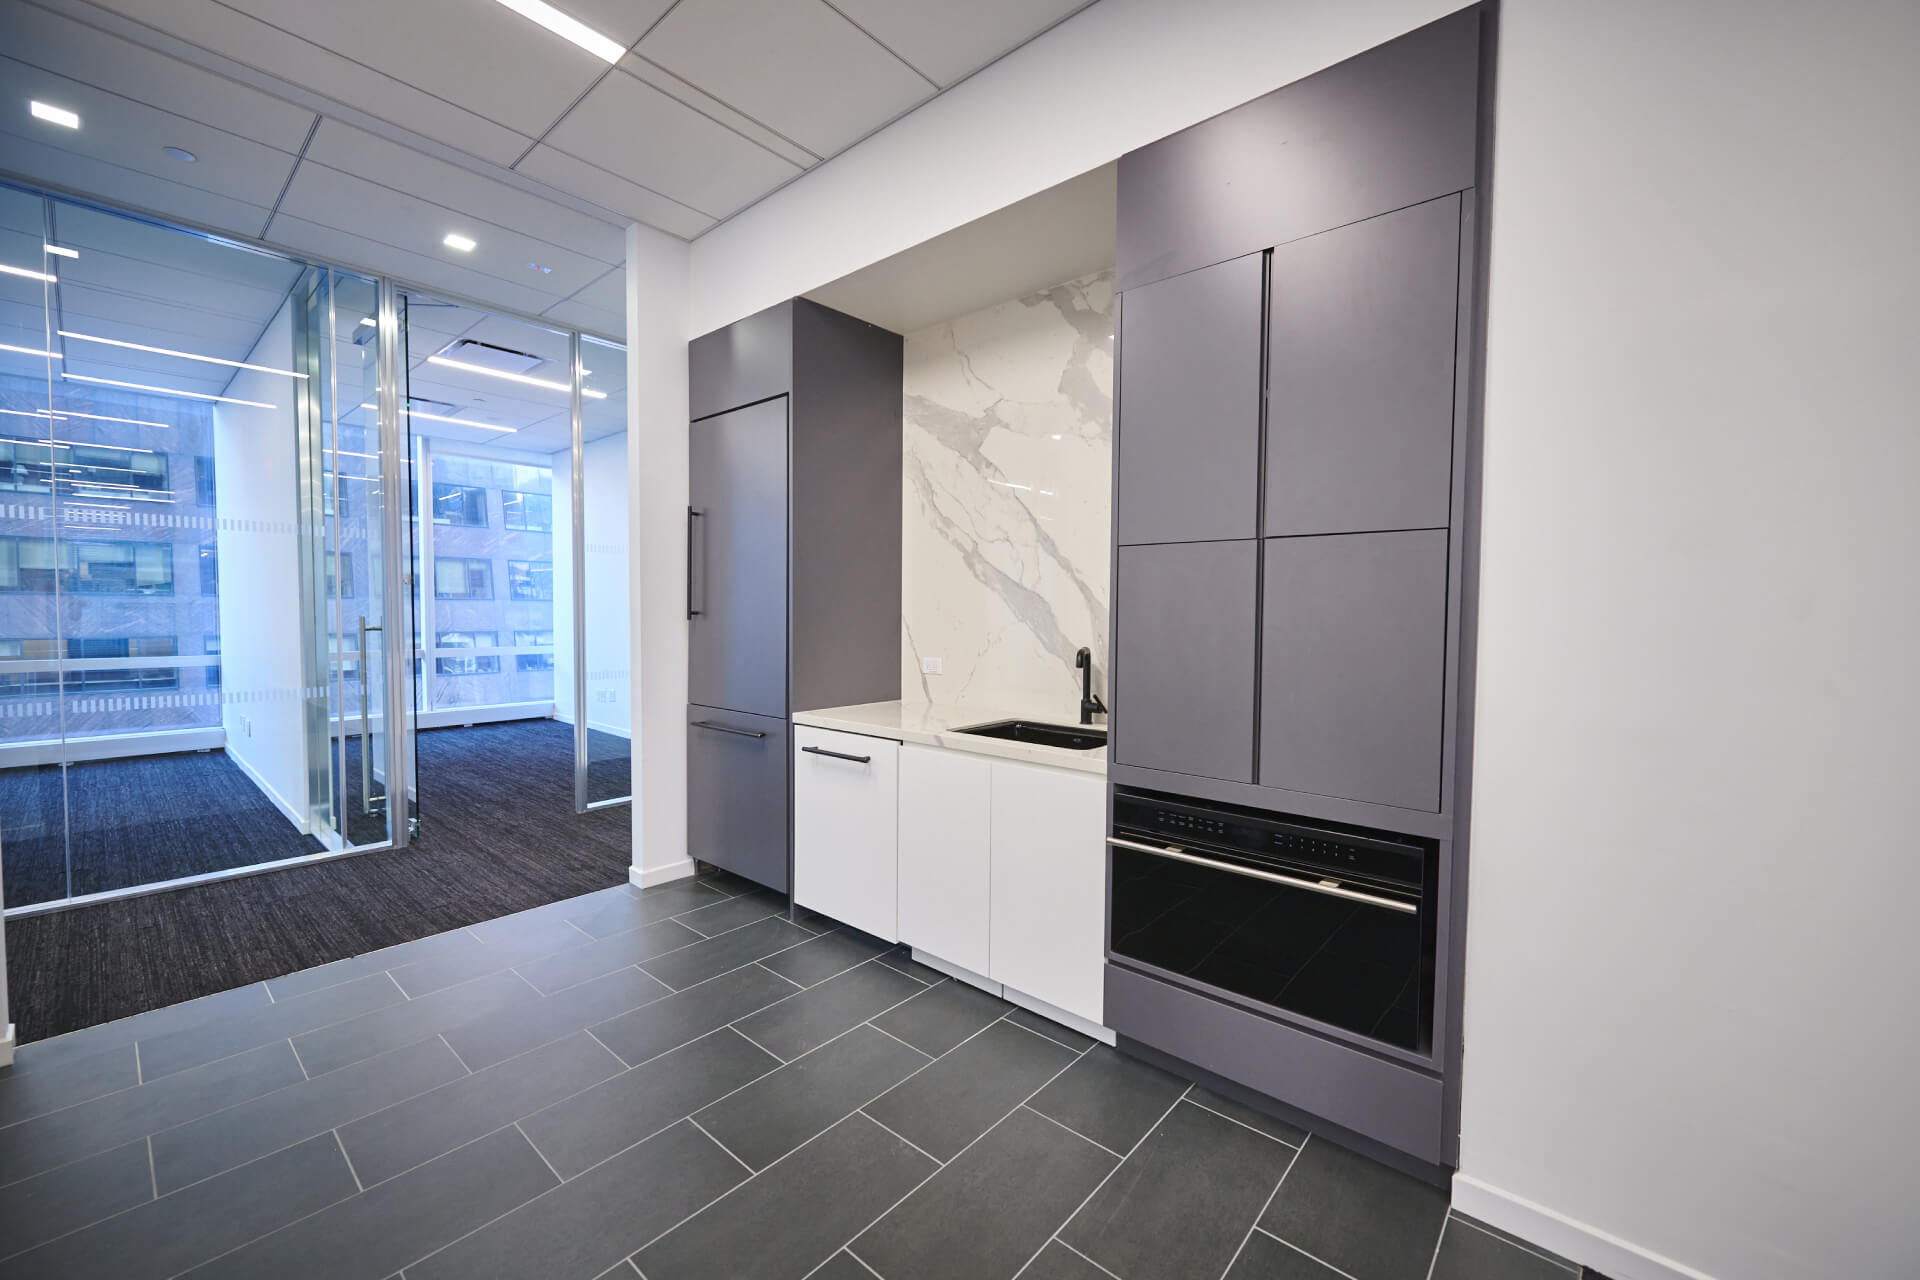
column 1216, row 473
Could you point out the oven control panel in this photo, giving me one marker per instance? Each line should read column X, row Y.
column 1271, row 837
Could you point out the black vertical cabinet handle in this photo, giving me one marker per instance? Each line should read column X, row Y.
column 692, row 612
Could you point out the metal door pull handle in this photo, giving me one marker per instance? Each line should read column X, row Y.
column 724, row 728
column 1332, row 889
column 837, row 755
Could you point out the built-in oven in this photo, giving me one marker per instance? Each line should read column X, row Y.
column 1305, row 919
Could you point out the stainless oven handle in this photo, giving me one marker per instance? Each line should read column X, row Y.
column 1331, row 889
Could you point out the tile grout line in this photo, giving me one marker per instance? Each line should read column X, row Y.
column 139, row 1072
column 1303, row 1253
column 1438, row 1240
column 297, row 1060
column 269, row 990
column 1067, row 1221
column 1244, row 1125
column 1465, row 1221
column 1061, row 1124
column 1265, row 1205
column 783, row 977
column 342, row 1144
column 755, row 1043
column 848, row 1250
column 723, row 1146
column 457, row 1058
column 1076, row 1253
column 558, row 1179
column 152, row 1172
column 861, row 1110
column 1007, row 1017
column 897, row 1040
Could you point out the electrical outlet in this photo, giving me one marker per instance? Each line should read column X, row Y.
column 929, row 666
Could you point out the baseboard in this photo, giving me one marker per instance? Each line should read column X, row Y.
column 1072, row 1021
column 1570, row 1238
column 292, row 814
column 6, row 1047
column 648, row 877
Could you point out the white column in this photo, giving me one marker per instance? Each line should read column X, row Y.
column 657, row 307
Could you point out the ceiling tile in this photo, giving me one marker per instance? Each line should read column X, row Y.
column 579, row 315
column 708, row 105
column 642, row 135
column 72, row 49
column 590, row 182
column 360, row 252
column 794, row 65
column 477, row 55
column 305, row 64
column 622, row 21
column 389, row 164
column 416, row 225
column 949, row 42
column 38, row 162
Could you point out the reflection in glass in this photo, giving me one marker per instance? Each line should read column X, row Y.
column 607, row 656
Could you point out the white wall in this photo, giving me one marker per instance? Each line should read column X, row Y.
column 261, row 680
column 657, row 333
column 1690, row 979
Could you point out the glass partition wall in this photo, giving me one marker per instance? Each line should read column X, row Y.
column 237, row 568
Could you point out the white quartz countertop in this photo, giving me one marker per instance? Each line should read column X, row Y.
column 937, row 725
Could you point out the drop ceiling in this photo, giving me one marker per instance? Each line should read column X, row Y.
column 338, row 132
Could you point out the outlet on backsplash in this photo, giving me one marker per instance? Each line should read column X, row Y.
column 929, row 666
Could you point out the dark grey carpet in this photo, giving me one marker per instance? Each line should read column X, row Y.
column 498, row 835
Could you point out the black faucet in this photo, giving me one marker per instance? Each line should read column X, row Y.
column 1090, row 704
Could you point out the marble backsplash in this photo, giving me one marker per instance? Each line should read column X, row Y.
column 1008, row 487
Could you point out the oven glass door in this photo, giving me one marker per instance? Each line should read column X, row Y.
column 1360, row 966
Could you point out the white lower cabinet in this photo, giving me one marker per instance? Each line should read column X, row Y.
column 1048, row 904
column 846, row 828
column 945, row 800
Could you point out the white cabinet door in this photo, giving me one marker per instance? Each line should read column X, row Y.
column 845, row 818
column 1049, row 886
column 945, row 799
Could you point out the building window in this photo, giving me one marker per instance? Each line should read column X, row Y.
column 29, row 684
column 533, row 661
column 339, row 573
column 459, row 504
column 203, row 481
column 462, row 578
column 336, row 496
column 211, row 645
column 210, row 571
column 86, row 568
column 485, row 664
column 530, row 579
column 80, row 470
column 529, row 512
column 122, row 680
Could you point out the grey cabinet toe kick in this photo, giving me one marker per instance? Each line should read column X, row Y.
column 1387, row 1102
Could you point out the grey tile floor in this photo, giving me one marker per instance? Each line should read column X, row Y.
column 675, row 1083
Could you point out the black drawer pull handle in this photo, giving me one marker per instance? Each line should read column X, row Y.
column 837, row 755
column 722, row 728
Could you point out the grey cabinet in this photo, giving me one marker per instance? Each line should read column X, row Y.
column 737, row 767
column 749, row 360
column 737, row 560
column 1353, row 666
column 1361, row 360
column 1188, row 434
column 1183, row 660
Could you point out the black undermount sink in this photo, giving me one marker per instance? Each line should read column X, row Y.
column 1081, row 738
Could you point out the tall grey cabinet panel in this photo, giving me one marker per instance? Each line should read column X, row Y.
column 1353, row 660
column 793, row 558
column 737, row 793
column 1184, row 628
column 1389, row 128
column 1189, row 436
column 737, row 554
column 1361, row 360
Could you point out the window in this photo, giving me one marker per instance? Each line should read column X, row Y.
column 461, row 504
column 532, row 512
column 533, row 661
column 203, row 481
column 122, row 680
column 339, row 566
column 210, row 571
column 336, row 499
column 86, row 567
column 211, row 645
column 28, row 684
column 462, row 578
column 530, row 579
column 486, row 664
column 35, row 466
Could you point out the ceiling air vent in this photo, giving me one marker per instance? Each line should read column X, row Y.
column 489, row 356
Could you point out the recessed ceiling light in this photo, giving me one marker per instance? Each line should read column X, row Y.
column 369, row 322
column 180, row 153
column 61, row 250
column 521, row 378
column 22, row 271
column 168, row 391
column 568, row 28
column 184, row 355
column 54, row 115
column 454, row 240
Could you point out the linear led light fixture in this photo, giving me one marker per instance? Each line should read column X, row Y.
column 168, row 391
column 31, row 351
column 568, row 28
column 521, row 378
column 61, row 415
column 31, row 275
column 184, row 355
column 454, row 240
column 435, row 417
column 60, row 250
column 54, row 115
